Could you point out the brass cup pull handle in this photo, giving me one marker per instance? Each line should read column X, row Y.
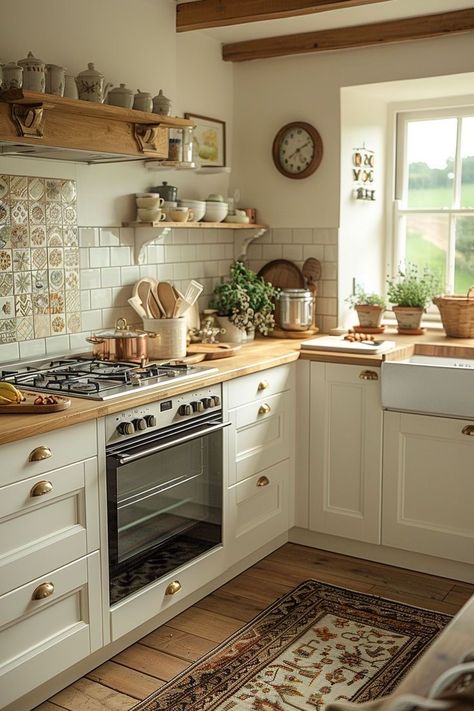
column 263, row 385
column 263, row 481
column 368, row 375
column 468, row 430
column 264, row 409
column 42, row 591
column 40, row 453
column 41, row 488
column 173, row 588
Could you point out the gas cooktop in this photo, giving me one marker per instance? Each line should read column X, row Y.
column 97, row 379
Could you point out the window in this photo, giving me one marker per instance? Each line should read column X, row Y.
column 434, row 206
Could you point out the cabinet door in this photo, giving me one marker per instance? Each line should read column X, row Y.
column 345, row 451
column 428, row 486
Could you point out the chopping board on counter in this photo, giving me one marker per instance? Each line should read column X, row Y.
column 283, row 274
column 28, row 407
column 214, row 350
column 337, row 343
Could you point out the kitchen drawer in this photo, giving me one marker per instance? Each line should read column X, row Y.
column 68, row 445
column 40, row 532
column 42, row 637
column 259, row 386
column 261, row 436
column 258, row 509
column 153, row 599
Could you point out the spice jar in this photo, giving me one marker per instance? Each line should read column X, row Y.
column 175, row 146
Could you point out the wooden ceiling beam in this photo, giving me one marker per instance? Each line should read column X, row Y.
column 219, row 13
column 378, row 33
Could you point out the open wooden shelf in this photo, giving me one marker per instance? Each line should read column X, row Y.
column 198, row 225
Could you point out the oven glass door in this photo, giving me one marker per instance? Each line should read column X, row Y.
column 165, row 506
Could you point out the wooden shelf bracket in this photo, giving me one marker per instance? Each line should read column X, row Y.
column 145, row 236
column 242, row 241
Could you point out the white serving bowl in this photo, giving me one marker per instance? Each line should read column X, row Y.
column 215, row 211
column 197, row 207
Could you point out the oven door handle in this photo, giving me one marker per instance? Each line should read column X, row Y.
column 127, row 458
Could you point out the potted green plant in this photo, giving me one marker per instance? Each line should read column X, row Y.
column 369, row 307
column 244, row 304
column 411, row 290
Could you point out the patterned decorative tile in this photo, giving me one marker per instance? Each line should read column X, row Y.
column 5, row 236
column 22, row 283
column 69, row 215
column 6, row 260
column 55, row 257
column 4, row 185
column 72, row 279
column 36, row 188
column 55, row 236
column 23, row 305
column 71, row 258
column 56, row 302
column 6, row 284
column 38, row 236
column 40, row 303
column 39, row 282
column 25, row 329
column 54, row 213
column 7, row 307
column 21, row 260
column 42, row 326
column 71, row 237
column 5, row 212
column 7, row 330
column 74, row 323
column 53, row 189
column 58, row 324
column 39, row 258
column 19, row 187
column 37, row 213
column 19, row 236
column 73, row 300
column 68, row 191
column 56, row 279
column 19, row 212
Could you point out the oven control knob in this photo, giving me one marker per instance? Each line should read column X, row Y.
column 150, row 420
column 185, row 410
column 140, row 424
column 207, row 402
column 216, row 401
column 126, row 428
column 197, row 406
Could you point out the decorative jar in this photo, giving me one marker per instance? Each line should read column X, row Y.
column 34, row 73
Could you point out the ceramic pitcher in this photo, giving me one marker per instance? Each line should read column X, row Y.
column 34, row 73
column 90, row 85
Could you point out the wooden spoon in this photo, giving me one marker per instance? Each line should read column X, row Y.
column 166, row 298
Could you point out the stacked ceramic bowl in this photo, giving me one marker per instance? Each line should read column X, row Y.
column 197, row 207
column 216, row 209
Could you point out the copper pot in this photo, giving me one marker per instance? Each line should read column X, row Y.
column 120, row 344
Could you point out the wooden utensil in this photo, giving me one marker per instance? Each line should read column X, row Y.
column 166, row 298
column 312, row 273
column 283, row 274
column 214, row 350
column 28, row 407
column 142, row 290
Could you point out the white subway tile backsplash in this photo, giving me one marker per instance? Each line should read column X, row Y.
column 129, row 275
column 111, row 316
column 294, row 252
column 155, row 254
column 180, row 236
column 90, row 278
column 330, row 254
column 9, row 351
column 148, row 270
column 110, row 236
column 272, row 251
column 120, row 295
column 88, row 237
column 32, row 349
column 57, row 344
column 313, row 250
column 181, row 270
column 110, row 276
column 101, row 298
column 281, row 235
column 329, row 270
column 99, row 257
column 120, row 256
column 91, row 320
column 84, row 258
column 302, row 235
column 85, row 300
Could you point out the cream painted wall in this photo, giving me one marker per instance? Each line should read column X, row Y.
column 130, row 42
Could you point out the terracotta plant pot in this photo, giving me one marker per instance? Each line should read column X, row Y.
column 370, row 316
column 409, row 319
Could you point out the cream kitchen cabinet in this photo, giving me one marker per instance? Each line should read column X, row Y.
column 345, row 451
column 260, row 459
column 428, row 491
column 50, row 583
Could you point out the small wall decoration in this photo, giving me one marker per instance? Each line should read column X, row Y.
column 363, row 162
column 208, row 141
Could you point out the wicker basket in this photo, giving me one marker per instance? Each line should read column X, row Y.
column 457, row 314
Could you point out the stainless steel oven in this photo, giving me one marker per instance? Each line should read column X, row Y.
column 164, row 487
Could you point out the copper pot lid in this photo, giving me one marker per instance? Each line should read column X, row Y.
column 121, row 330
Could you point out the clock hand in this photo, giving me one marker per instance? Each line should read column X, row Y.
column 299, row 149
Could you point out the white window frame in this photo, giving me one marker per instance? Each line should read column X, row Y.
column 400, row 193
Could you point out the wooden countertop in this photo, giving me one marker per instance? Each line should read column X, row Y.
column 261, row 354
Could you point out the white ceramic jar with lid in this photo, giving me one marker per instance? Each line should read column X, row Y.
column 12, row 76
column 34, row 73
column 120, row 96
column 142, row 101
column 90, row 85
column 161, row 104
column 55, row 79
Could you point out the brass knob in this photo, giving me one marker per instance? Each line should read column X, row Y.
column 173, row 588
column 264, row 409
column 40, row 453
column 263, row 385
column 368, row 375
column 468, row 430
column 263, row 481
column 41, row 488
column 42, row 591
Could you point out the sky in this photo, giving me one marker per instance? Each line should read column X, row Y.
column 432, row 142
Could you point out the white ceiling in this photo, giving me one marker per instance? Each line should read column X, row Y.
column 378, row 12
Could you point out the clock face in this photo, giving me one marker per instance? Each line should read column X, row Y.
column 297, row 150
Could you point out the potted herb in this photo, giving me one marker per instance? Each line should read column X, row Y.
column 244, row 304
column 370, row 307
column 411, row 290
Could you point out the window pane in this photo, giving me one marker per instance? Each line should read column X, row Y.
column 464, row 270
column 431, row 147
column 467, row 157
column 427, row 242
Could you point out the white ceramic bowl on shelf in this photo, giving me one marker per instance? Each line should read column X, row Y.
column 215, row 211
column 197, row 207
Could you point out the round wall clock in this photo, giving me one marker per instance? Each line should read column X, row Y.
column 297, row 150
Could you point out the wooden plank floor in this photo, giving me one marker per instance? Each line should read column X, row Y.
column 145, row 666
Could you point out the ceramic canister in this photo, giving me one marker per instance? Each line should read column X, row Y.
column 161, row 104
column 70, row 87
column 120, row 96
column 142, row 101
column 12, row 76
column 55, row 79
column 90, row 85
column 34, row 73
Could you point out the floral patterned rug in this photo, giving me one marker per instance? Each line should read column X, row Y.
column 317, row 644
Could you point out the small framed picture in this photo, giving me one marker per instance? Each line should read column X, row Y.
column 208, row 141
